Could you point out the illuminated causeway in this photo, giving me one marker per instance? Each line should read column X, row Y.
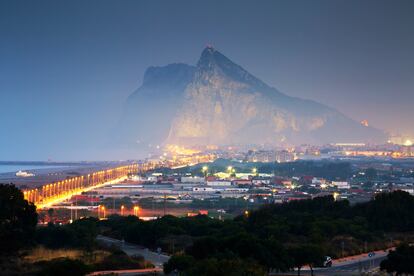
column 55, row 192
column 52, row 193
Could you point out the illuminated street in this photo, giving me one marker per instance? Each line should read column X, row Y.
column 56, row 192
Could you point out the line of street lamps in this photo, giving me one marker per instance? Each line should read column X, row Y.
column 230, row 170
column 68, row 187
column 102, row 211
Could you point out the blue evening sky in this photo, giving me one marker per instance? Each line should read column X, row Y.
column 66, row 67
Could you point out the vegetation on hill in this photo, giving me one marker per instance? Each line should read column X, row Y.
column 275, row 237
column 54, row 249
column 400, row 261
column 18, row 220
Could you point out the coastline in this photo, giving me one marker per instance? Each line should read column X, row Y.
column 46, row 172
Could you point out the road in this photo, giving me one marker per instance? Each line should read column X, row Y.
column 131, row 249
column 354, row 265
column 129, row 272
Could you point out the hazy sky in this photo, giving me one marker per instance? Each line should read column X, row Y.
column 66, row 67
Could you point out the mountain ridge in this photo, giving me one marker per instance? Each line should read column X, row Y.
column 219, row 102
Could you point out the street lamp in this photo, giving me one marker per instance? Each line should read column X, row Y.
column 204, row 170
column 103, row 210
column 136, row 209
column 231, row 171
column 122, row 210
column 71, row 213
column 254, row 171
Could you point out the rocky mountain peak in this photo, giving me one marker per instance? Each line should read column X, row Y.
column 213, row 63
column 210, row 60
column 218, row 102
column 170, row 74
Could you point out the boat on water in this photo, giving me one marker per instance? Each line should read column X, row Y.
column 24, row 174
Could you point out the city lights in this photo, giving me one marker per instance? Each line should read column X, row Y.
column 408, row 143
column 205, row 170
column 52, row 193
column 104, row 211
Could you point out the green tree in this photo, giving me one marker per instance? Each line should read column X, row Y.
column 85, row 232
column 178, row 263
column 55, row 236
column 18, row 219
column 400, row 261
column 311, row 255
column 50, row 212
column 62, row 267
column 120, row 260
column 228, row 267
column 79, row 234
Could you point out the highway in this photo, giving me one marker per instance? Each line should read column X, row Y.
column 49, row 194
column 52, row 193
column 57, row 199
column 353, row 265
column 129, row 272
column 132, row 249
column 358, row 265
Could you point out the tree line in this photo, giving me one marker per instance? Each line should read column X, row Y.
column 275, row 237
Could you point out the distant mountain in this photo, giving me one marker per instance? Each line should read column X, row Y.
column 150, row 110
column 218, row 102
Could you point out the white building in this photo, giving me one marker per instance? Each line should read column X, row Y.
column 221, row 183
column 203, row 189
column 317, row 180
column 260, row 181
column 406, row 188
column 138, row 178
column 192, row 179
column 152, row 178
column 341, row 184
column 236, row 190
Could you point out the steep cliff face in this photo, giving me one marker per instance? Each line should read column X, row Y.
column 149, row 111
column 224, row 104
column 218, row 102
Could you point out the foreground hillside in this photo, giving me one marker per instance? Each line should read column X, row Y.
column 276, row 237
